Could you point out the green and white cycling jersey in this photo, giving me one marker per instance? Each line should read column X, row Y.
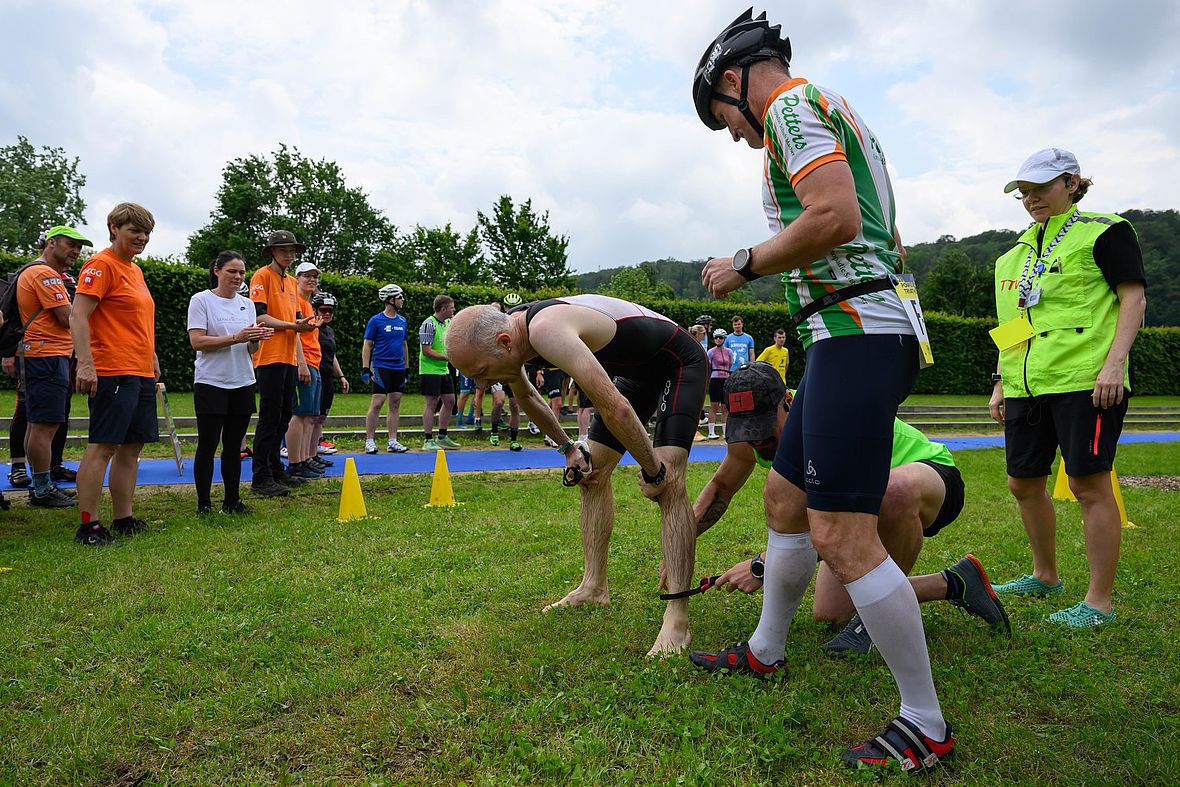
column 805, row 127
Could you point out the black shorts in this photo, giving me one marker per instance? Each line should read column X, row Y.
column 675, row 401
column 438, row 385
column 1034, row 427
column 583, row 399
column 124, row 411
column 46, row 386
column 212, row 400
column 554, row 379
column 388, row 381
column 952, row 502
column 327, row 389
column 717, row 390
column 838, row 438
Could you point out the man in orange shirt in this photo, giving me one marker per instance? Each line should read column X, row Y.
column 43, row 359
column 275, row 300
column 300, row 453
column 113, row 321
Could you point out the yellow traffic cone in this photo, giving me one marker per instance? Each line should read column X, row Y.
column 352, row 501
column 1061, row 491
column 441, row 494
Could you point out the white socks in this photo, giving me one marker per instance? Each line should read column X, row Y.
column 790, row 562
column 888, row 607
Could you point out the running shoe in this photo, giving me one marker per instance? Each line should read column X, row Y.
column 978, row 597
column 94, row 534
column 549, row 442
column 270, row 489
column 236, row 508
column 902, row 741
column 204, row 510
column 534, row 429
column 1081, row 616
column 319, row 464
column 19, row 477
column 394, row 447
column 130, row 527
column 53, row 498
column 515, row 446
column 494, row 440
column 1028, row 585
column 431, row 445
column 288, row 480
column 446, row 442
column 478, row 424
column 853, row 640
column 370, row 446
column 326, row 448
column 60, row 473
column 304, row 470
column 738, row 660
column 247, row 453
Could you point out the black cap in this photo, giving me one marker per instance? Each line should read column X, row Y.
column 282, row 238
column 752, row 395
column 705, row 319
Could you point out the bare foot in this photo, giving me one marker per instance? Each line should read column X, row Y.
column 581, row 596
column 673, row 638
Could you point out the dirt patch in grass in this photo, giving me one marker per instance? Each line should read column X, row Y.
column 1168, row 483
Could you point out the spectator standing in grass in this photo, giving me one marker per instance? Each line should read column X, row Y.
column 43, row 359
column 113, row 322
column 302, row 461
column 741, row 344
column 222, row 329
column 706, row 322
column 437, row 384
column 384, row 355
column 324, row 304
column 720, row 362
column 776, row 354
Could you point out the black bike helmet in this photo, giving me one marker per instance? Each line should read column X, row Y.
column 323, row 300
column 744, row 41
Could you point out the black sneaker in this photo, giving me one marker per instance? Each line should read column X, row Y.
column 738, row 660
column 978, row 597
column 204, row 510
column 54, row 498
column 302, row 470
column 904, row 742
column 19, row 477
column 60, row 473
column 269, row 488
column 130, row 526
column 237, row 507
column 94, row 534
column 853, row 640
column 319, row 463
column 290, row 480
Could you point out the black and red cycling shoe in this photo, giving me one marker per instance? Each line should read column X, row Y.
column 738, row 660
column 901, row 740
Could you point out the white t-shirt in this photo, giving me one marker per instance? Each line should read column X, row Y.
column 226, row 367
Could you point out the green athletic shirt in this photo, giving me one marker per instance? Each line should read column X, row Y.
column 909, row 445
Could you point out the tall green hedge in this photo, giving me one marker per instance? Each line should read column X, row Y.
column 963, row 352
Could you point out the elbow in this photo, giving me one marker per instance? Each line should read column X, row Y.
column 843, row 227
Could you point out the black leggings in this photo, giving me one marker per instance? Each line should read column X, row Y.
column 19, row 426
column 228, row 430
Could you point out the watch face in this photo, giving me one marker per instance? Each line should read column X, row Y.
column 741, row 259
column 757, row 568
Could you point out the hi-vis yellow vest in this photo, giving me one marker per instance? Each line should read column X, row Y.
column 1074, row 322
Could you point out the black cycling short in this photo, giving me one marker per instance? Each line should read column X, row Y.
column 1034, row 427
column 438, row 385
column 717, row 390
column 327, row 389
column 554, row 379
column 387, row 381
column 838, row 438
column 123, row 411
column 952, row 502
column 583, row 399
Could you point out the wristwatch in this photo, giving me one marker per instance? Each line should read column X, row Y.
column 658, row 478
column 742, row 259
column 757, row 567
column 996, row 377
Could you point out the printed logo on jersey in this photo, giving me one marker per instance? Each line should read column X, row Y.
column 51, row 281
column 791, row 121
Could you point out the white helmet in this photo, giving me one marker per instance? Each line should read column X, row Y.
column 719, row 333
column 390, row 291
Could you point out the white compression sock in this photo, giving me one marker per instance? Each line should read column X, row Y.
column 888, row 607
column 790, row 562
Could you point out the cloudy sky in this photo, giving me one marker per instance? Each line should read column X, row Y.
column 436, row 108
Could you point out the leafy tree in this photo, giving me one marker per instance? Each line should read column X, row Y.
column 639, row 285
column 37, row 191
column 434, row 255
column 956, row 285
column 342, row 231
column 523, row 253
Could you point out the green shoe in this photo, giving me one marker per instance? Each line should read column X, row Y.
column 515, row 446
column 1028, row 585
column 431, row 445
column 494, row 440
column 1081, row 616
column 447, row 443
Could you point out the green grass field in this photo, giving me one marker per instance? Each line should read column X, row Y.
column 410, row 649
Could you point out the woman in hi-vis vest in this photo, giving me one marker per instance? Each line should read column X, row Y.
column 1069, row 299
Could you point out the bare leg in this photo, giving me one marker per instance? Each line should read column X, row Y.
column 1040, row 523
column 124, row 467
column 375, row 403
column 428, row 415
column 444, row 415
column 477, row 404
column 91, row 472
column 315, row 431
column 393, row 417
column 598, row 520
column 295, row 440
column 39, row 446
column 678, row 539
column 1100, row 515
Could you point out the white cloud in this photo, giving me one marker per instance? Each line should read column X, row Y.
column 437, row 108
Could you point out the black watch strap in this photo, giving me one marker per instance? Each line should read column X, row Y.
column 654, row 479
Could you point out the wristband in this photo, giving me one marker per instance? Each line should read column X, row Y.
column 655, row 479
column 566, row 447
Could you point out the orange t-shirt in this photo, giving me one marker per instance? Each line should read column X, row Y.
column 41, row 287
column 278, row 293
column 312, row 354
column 123, row 324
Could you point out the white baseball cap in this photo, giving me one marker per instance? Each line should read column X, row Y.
column 304, row 267
column 1043, row 166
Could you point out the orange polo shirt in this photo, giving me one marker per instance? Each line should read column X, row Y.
column 312, row 354
column 123, row 325
column 41, row 287
column 279, row 294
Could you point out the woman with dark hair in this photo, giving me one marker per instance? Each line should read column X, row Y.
column 222, row 329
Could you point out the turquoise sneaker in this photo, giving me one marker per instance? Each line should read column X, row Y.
column 447, row 442
column 431, row 445
column 1081, row 616
column 1028, row 585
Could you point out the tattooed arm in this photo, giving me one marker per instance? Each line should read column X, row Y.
column 714, row 499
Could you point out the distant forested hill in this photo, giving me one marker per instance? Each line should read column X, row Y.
column 961, row 268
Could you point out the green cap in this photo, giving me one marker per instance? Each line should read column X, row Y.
column 68, row 232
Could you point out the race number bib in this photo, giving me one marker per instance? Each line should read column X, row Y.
column 903, row 284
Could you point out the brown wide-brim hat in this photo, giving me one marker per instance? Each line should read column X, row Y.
column 282, row 238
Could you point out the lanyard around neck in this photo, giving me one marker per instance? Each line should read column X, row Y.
column 1032, row 273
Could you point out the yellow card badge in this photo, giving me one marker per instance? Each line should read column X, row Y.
column 904, row 285
column 1007, row 335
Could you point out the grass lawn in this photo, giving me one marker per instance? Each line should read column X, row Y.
column 287, row 647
